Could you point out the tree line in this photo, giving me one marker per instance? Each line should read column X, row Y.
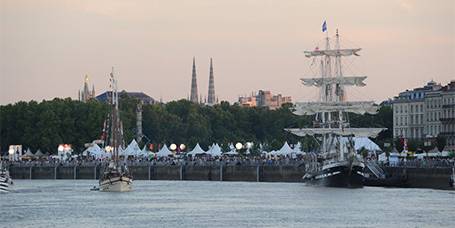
column 47, row 124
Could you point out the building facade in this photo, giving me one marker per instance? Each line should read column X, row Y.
column 448, row 115
column 144, row 98
column 426, row 112
column 265, row 99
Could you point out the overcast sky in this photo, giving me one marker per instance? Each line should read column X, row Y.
column 46, row 46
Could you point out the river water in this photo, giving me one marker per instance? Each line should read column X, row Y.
column 69, row 203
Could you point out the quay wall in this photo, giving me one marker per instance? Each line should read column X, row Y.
column 414, row 177
column 422, row 177
column 170, row 172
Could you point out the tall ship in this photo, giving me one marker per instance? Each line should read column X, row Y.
column 5, row 179
column 116, row 176
column 336, row 163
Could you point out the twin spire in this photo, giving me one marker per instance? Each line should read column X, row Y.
column 211, row 99
column 193, row 97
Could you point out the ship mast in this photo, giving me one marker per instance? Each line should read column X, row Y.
column 116, row 134
column 332, row 105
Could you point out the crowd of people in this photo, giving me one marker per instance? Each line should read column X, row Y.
column 164, row 161
column 222, row 160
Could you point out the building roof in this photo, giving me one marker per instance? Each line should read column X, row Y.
column 146, row 99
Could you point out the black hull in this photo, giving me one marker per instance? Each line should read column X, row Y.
column 339, row 176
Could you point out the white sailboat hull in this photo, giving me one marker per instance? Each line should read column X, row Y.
column 5, row 181
column 116, row 184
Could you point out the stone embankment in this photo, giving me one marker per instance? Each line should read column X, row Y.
column 408, row 176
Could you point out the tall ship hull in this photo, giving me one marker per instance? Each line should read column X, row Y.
column 338, row 175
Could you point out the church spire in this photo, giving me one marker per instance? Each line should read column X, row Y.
column 211, row 96
column 194, row 96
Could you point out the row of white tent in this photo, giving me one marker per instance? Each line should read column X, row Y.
column 395, row 155
column 133, row 149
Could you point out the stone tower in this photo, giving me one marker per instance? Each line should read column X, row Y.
column 211, row 100
column 194, row 96
column 85, row 94
column 139, row 133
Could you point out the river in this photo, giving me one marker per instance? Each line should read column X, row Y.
column 70, row 203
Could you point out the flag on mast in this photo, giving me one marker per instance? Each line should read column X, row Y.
column 324, row 26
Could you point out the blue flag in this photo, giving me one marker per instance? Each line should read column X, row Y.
column 324, row 26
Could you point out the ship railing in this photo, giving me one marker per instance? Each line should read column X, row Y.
column 375, row 169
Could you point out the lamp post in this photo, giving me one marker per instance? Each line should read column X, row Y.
column 11, row 154
column 238, row 147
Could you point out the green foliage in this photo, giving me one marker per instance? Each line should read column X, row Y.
column 451, row 154
column 441, row 142
column 49, row 123
column 399, row 144
column 364, row 152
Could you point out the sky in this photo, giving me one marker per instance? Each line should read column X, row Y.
column 48, row 46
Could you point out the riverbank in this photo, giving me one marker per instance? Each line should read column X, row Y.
column 437, row 178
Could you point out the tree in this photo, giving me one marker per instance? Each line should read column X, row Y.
column 48, row 123
column 441, row 142
column 399, row 144
column 364, row 152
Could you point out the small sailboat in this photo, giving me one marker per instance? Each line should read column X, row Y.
column 5, row 179
column 116, row 176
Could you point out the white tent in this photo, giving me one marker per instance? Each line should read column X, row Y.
column 93, row 150
column 297, row 149
column 366, row 143
column 363, row 142
column 232, row 152
column 215, row 150
column 144, row 152
column 164, row 152
column 196, row 150
column 132, row 149
column 285, row 150
column 28, row 154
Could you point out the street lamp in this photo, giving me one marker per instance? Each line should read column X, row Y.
column 238, row 146
column 173, row 147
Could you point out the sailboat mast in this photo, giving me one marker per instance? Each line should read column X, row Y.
column 116, row 137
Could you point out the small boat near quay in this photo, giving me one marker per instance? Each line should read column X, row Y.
column 5, row 179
